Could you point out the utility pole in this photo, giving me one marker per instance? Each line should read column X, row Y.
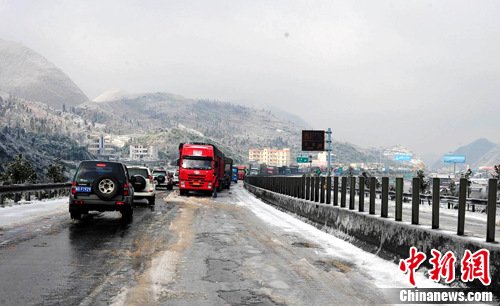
column 329, row 150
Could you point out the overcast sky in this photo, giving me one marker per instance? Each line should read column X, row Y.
column 424, row 74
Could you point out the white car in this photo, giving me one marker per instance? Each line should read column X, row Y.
column 142, row 181
column 176, row 177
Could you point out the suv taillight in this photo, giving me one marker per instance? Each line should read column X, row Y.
column 151, row 179
column 73, row 188
column 125, row 189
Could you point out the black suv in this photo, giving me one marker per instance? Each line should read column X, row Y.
column 163, row 178
column 101, row 186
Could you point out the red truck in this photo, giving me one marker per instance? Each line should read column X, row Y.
column 201, row 167
column 241, row 172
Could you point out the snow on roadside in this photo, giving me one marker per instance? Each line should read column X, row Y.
column 384, row 273
column 26, row 213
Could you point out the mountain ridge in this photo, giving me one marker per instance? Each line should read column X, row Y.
column 26, row 74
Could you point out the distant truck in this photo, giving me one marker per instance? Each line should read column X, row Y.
column 201, row 168
column 242, row 171
column 228, row 173
column 235, row 174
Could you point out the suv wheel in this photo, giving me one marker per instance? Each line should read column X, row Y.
column 106, row 187
column 170, row 187
column 139, row 182
column 76, row 215
column 151, row 200
column 127, row 214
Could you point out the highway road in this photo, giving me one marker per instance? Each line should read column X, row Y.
column 185, row 251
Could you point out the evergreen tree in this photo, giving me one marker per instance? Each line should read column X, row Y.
column 467, row 176
column 55, row 172
column 423, row 182
column 497, row 175
column 452, row 187
column 19, row 171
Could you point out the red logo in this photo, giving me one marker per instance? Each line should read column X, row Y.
column 442, row 266
column 411, row 264
column 473, row 266
column 476, row 266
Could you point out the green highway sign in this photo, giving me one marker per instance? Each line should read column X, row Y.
column 302, row 159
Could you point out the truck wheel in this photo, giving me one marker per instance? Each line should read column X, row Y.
column 182, row 192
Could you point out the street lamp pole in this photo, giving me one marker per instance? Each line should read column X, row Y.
column 329, row 150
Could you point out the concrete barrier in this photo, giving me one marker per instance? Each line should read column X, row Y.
column 388, row 238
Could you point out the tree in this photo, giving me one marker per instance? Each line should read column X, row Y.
column 424, row 184
column 19, row 171
column 55, row 172
column 452, row 187
column 497, row 175
column 467, row 175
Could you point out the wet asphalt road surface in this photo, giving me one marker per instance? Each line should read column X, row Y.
column 186, row 251
column 60, row 261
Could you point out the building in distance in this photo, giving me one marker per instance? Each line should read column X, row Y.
column 271, row 157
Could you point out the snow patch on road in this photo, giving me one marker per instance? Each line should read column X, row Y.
column 384, row 273
column 27, row 213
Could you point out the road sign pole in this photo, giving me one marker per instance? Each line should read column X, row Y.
column 329, row 150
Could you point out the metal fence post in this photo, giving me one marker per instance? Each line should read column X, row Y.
column 302, row 187
column 322, row 190
column 335, row 190
column 316, row 189
column 462, row 195
column 361, row 206
column 384, row 210
column 415, row 201
column 343, row 191
column 328, row 190
column 399, row 199
column 373, row 186
column 313, row 188
column 435, row 202
column 491, row 210
column 308, row 190
column 297, row 187
column 352, row 192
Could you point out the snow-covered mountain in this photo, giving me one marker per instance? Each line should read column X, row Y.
column 480, row 152
column 28, row 75
column 166, row 120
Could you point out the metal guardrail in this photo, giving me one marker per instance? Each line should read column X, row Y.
column 314, row 188
column 40, row 191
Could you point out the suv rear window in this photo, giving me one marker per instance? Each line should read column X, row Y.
column 88, row 172
column 158, row 173
column 138, row 171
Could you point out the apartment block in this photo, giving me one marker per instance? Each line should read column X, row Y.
column 271, row 157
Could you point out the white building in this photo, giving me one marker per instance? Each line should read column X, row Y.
column 142, row 152
column 100, row 145
column 271, row 157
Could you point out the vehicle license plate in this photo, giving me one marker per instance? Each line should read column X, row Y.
column 83, row 189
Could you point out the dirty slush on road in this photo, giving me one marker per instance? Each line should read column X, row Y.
column 220, row 253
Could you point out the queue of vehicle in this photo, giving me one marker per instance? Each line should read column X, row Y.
column 113, row 186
